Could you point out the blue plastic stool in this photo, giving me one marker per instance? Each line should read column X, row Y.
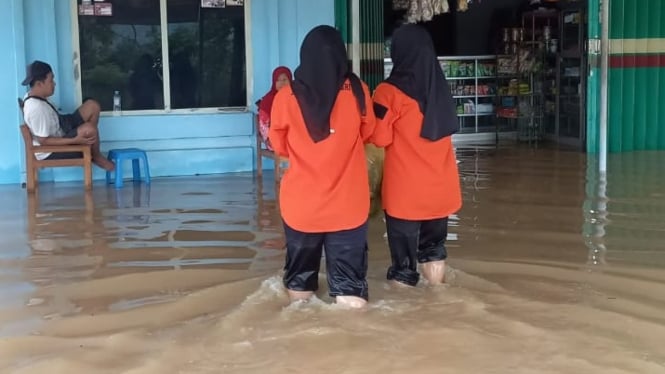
column 134, row 154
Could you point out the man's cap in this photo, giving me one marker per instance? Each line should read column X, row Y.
column 36, row 70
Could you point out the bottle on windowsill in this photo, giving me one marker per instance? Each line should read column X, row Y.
column 116, row 103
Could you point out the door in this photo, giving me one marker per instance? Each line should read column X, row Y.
column 572, row 71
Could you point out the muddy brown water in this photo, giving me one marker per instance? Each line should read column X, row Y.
column 553, row 269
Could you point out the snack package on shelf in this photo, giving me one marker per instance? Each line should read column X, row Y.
column 453, row 67
column 469, row 107
column 486, row 70
column 484, row 108
column 507, row 65
column 507, row 112
column 508, row 101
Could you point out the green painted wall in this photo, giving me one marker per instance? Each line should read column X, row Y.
column 637, row 75
column 637, row 19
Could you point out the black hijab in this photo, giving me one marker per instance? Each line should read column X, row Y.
column 417, row 73
column 323, row 70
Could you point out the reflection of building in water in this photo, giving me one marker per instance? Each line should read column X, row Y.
column 624, row 210
column 65, row 240
column 136, row 229
column 270, row 243
column 595, row 213
column 136, row 196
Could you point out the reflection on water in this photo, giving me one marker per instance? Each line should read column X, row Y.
column 183, row 276
column 625, row 210
column 595, row 213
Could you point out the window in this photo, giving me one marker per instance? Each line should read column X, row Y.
column 203, row 68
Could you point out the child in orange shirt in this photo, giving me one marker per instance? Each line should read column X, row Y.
column 321, row 123
column 421, row 188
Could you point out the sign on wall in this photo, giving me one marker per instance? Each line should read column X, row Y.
column 99, row 8
column 221, row 3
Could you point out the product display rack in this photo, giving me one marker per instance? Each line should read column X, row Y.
column 527, row 77
column 472, row 81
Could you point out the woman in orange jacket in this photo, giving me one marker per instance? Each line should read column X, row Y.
column 421, row 188
column 321, row 123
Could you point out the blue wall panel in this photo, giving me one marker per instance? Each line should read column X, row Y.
column 12, row 64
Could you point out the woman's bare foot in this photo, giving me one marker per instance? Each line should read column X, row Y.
column 299, row 296
column 435, row 271
column 354, row 302
column 104, row 163
column 399, row 284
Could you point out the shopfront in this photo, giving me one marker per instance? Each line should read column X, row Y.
column 517, row 69
column 531, row 69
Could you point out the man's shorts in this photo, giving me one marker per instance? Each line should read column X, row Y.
column 69, row 124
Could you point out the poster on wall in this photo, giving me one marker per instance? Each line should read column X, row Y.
column 86, row 10
column 213, row 3
column 235, row 2
column 104, row 9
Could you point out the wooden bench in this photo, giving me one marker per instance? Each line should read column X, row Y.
column 32, row 164
column 263, row 151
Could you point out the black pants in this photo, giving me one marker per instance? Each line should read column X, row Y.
column 413, row 242
column 346, row 261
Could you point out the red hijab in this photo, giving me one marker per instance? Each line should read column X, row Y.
column 266, row 102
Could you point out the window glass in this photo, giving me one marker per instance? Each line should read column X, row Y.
column 123, row 52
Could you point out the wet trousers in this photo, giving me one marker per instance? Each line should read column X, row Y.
column 413, row 242
column 346, row 261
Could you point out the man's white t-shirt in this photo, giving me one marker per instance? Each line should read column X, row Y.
column 42, row 120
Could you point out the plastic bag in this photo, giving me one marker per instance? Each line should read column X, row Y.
column 400, row 4
column 441, row 6
column 374, row 157
column 425, row 10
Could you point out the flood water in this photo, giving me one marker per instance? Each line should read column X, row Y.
column 553, row 269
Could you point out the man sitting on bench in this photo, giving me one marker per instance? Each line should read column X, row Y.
column 49, row 127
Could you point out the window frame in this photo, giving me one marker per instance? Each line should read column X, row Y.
column 166, row 74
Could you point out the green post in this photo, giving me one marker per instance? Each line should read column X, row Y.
column 372, row 41
column 593, row 83
column 342, row 19
column 371, row 36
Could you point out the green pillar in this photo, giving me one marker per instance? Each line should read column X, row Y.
column 371, row 36
column 593, row 82
column 343, row 19
column 372, row 41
